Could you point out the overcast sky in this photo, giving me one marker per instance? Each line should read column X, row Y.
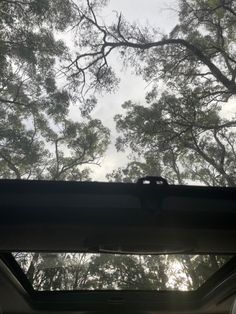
column 161, row 14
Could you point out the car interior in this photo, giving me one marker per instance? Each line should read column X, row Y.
column 147, row 221
column 117, row 157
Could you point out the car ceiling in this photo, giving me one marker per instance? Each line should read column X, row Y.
column 114, row 217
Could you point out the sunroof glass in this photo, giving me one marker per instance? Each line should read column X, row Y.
column 86, row 271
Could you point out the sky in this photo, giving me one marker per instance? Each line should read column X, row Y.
column 161, row 14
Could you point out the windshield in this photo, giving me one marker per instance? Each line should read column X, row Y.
column 117, row 90
column 102, row 271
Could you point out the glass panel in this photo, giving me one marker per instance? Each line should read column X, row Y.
column 86, row 271
column 118, row 90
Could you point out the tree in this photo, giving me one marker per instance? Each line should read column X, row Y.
column 37, row 138
column 186, row 139
column 199, row 50
column 84, row 271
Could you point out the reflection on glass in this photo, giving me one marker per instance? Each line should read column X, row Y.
column 87, row 271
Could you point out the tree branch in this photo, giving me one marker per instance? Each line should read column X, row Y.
column 11, row 165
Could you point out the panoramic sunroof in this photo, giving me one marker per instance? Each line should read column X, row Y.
column 97, row 90
column 103, row 271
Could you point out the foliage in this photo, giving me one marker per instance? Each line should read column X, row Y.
column 200, row 50
column 37, row 138
column 179, row 133
column 180, row 138
column 84, row 271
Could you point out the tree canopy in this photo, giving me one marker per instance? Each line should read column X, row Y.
column 199, row 50
column 181, row 138
column 84, row 271
column 179, row 132
column 38, row 139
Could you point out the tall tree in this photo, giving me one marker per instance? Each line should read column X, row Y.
column 37, row 138
column 84, row 271
column 186, row 134
column 199, row 50
column 196, row 60
column 183, row 136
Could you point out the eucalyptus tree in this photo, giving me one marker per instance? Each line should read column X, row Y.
column 83, row 271
column 38, row 139
column 179, row 137
column 196, row 60
column 182, row 134
column 200, row 50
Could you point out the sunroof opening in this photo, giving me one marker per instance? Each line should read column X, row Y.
column 103, row 271
column 100, row 90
